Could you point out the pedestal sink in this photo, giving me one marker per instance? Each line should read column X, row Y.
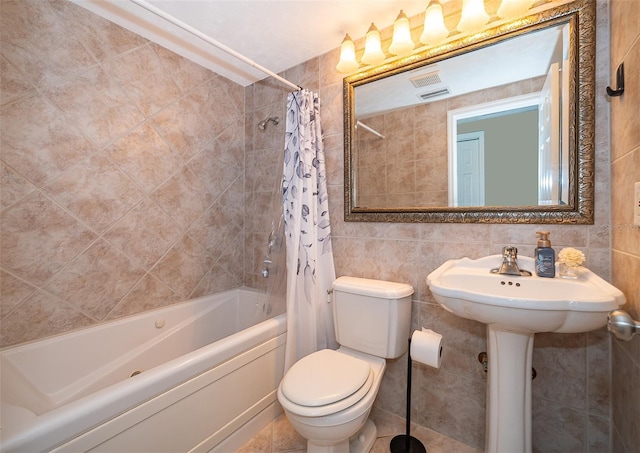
column 514, row 309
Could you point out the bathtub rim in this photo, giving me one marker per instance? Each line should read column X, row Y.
column 129, row 318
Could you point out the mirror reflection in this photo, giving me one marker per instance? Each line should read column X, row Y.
column 495, row 127
column 484, row 128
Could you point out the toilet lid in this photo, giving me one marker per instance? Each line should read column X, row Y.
column 324, row 377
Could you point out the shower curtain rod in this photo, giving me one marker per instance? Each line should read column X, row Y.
column 178, row 23
column 370, row 129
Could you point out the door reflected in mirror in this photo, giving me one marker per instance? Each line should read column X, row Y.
column 505, row 154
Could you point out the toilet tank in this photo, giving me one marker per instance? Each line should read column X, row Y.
column 372, row 316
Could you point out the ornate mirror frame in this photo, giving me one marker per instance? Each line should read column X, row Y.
column 580, row 15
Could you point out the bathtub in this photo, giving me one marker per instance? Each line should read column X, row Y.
column 196, row 376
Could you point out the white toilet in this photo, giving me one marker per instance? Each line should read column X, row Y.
column 328, row 395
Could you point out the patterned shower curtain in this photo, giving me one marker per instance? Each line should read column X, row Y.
column 310, row 268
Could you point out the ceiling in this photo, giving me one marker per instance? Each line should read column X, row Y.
column 499, row 64
column 277, row 34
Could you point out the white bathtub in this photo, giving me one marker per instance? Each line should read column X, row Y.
column 209, row 369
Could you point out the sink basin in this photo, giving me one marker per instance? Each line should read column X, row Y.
column 532, row 304
column 515, row 308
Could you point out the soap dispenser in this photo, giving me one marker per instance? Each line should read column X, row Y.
column 545, row 256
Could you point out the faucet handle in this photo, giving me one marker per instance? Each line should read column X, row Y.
column 510, row 251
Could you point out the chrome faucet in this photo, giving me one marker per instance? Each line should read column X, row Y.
column 510, row 263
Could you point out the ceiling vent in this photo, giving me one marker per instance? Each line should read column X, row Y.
column 433, row 94
column 424, row 80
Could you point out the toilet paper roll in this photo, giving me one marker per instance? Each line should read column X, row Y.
column 426, row 347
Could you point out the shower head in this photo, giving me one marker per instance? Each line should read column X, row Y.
column 262, row 125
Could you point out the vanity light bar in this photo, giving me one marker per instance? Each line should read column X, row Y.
column 473, row 19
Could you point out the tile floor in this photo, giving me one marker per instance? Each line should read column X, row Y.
column 280, row 437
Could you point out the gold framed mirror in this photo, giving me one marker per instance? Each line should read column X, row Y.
column 437, row 137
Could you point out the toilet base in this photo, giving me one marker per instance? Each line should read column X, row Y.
column 361, row 442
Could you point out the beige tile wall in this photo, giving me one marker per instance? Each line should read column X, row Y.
column 263, row 198
column 625, row 170
column 122, row 171
column 393, row 171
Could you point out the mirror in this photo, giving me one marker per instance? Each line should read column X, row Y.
column 497, row 127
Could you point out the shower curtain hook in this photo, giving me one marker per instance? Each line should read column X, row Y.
column 619, row 82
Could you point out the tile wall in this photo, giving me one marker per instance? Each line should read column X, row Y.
column 263, row 198
column 122, row 169
column 625, row 170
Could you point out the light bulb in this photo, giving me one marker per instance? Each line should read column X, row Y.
column 347, row 63
column 373, row 53
column 434, row 29
column 512, row 9
column 474, row 17
column 401, row 44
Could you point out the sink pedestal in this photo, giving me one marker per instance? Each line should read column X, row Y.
column 508, row 391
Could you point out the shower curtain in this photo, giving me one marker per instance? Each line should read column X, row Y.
column 309, row 257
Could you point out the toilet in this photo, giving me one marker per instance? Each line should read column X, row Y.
column 327, row 395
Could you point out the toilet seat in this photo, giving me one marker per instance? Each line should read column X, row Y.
column 326, row 382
